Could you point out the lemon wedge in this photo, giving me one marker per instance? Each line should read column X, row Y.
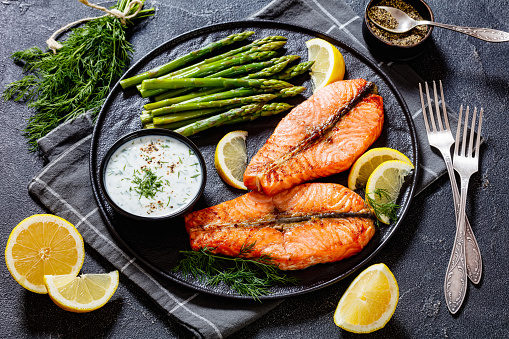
column 329, row 64
column 369, row 302
column 84, row 293
column 384, row 184
column 43, row 244
column 366, row 164
column 231, row 158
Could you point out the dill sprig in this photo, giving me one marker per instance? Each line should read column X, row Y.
column 77, row 78
column 252, row 277
column 384, row 205
column 148, row 185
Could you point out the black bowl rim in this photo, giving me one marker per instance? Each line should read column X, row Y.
column 426, row 37
column 146, row 132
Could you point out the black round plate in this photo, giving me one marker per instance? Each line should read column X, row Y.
column 157, row 245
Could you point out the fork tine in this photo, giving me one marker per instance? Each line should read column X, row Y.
column 424, row 110
column 478, row 134
column 458, row 129
column 472, row 129
column 465, row 130
column 444, row 110
column 431, row 114
column 437, row 107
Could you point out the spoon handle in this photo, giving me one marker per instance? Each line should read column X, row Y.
column 486, row 34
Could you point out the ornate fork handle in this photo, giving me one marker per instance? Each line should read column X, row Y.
column 486, row 34
column 455, row 285
column 472, row 252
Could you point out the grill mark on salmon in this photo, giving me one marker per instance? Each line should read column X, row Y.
column 315, row 134
column 306, row 225
column 322, row 136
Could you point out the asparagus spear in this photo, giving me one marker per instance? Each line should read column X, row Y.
column 147, row 117
column 214, row 82
column 179, row 62
column 210, row 94
column 264, row 73
column 211, row 68
column 218, row 120
column 207, row 64
column 268, row 109
column 173, row 125
column 210, row 104
column 247, row 48
column 246, row 68
column 290, row 91
column 187, row 115
column 279, row 64
column 294, row 71
column 270, row 71
column 240, row 92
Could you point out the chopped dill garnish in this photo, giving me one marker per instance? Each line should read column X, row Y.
column 247, row 276
column 386, row 207
column 147, row 185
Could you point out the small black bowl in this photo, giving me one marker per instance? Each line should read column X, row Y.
column 152, row 132
column 389, row 51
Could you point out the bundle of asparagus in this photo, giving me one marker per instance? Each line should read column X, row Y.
column 229, row 88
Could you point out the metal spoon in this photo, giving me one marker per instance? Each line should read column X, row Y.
column 406, row 23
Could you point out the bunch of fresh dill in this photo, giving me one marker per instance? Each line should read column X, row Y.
column 251, row 277
column 77, row 78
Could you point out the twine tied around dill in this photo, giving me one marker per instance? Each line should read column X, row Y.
column 123, row 16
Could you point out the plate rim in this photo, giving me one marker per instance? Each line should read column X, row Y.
column 245, row 24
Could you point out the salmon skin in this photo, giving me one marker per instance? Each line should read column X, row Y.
column 322, row 136
column 309, row 224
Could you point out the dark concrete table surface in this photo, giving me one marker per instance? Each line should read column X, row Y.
column 474, row 73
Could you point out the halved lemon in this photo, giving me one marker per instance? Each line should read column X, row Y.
column 43, row 244
column 329, row 64
column 384, row 184
column 366, row 164
column 84, row 293
column 231, row 158
column 369, row 302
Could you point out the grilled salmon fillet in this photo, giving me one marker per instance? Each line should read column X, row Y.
column 322, row 136
column 303, row 226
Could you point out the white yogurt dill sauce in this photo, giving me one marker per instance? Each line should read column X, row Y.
column 153, row 176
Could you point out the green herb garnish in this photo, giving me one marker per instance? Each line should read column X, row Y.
column 387, row 207
column 77, row 78
column 147, row 185
column 252, row 277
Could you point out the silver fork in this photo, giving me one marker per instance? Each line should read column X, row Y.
column 442, row 139
column 465, row 163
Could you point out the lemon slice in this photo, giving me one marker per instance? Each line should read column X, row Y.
column 366, row 164
column 329, row 64
column 384, row 184
column 43, row 244
column 231, row 158
column 81, row 294
column 369, row 302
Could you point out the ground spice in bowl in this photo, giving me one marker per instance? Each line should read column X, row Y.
column 385, row 18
